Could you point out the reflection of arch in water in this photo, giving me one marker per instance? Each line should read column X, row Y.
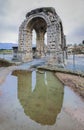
column 43, row 103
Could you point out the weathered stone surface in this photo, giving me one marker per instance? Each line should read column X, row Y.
column 42, row 20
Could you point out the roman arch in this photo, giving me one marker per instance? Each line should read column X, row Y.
column 42, row 20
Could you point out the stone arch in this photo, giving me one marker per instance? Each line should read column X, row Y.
column 40, row 26
column 43, row 16
column 42, row 20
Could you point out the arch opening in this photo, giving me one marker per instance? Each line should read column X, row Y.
column 37, row 29
column 34, row 43
column 61, row 36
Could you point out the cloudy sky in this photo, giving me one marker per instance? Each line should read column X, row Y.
column 71, row 12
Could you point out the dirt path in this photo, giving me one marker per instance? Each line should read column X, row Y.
column 4, row 71
column 75, row 82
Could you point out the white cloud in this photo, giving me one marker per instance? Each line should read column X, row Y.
column 12, row 13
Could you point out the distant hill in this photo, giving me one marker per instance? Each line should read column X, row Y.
column 7, row 45
column 10, row 45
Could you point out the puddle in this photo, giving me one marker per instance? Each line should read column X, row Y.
column 41, row 96
column 33, row 101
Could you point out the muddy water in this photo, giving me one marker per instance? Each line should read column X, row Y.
column 33, row 101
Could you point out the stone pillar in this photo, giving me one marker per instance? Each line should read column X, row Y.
column 53, row 44
column 40, row 44
column 27, row 46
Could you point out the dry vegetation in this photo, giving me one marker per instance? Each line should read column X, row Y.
column 5, row 63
